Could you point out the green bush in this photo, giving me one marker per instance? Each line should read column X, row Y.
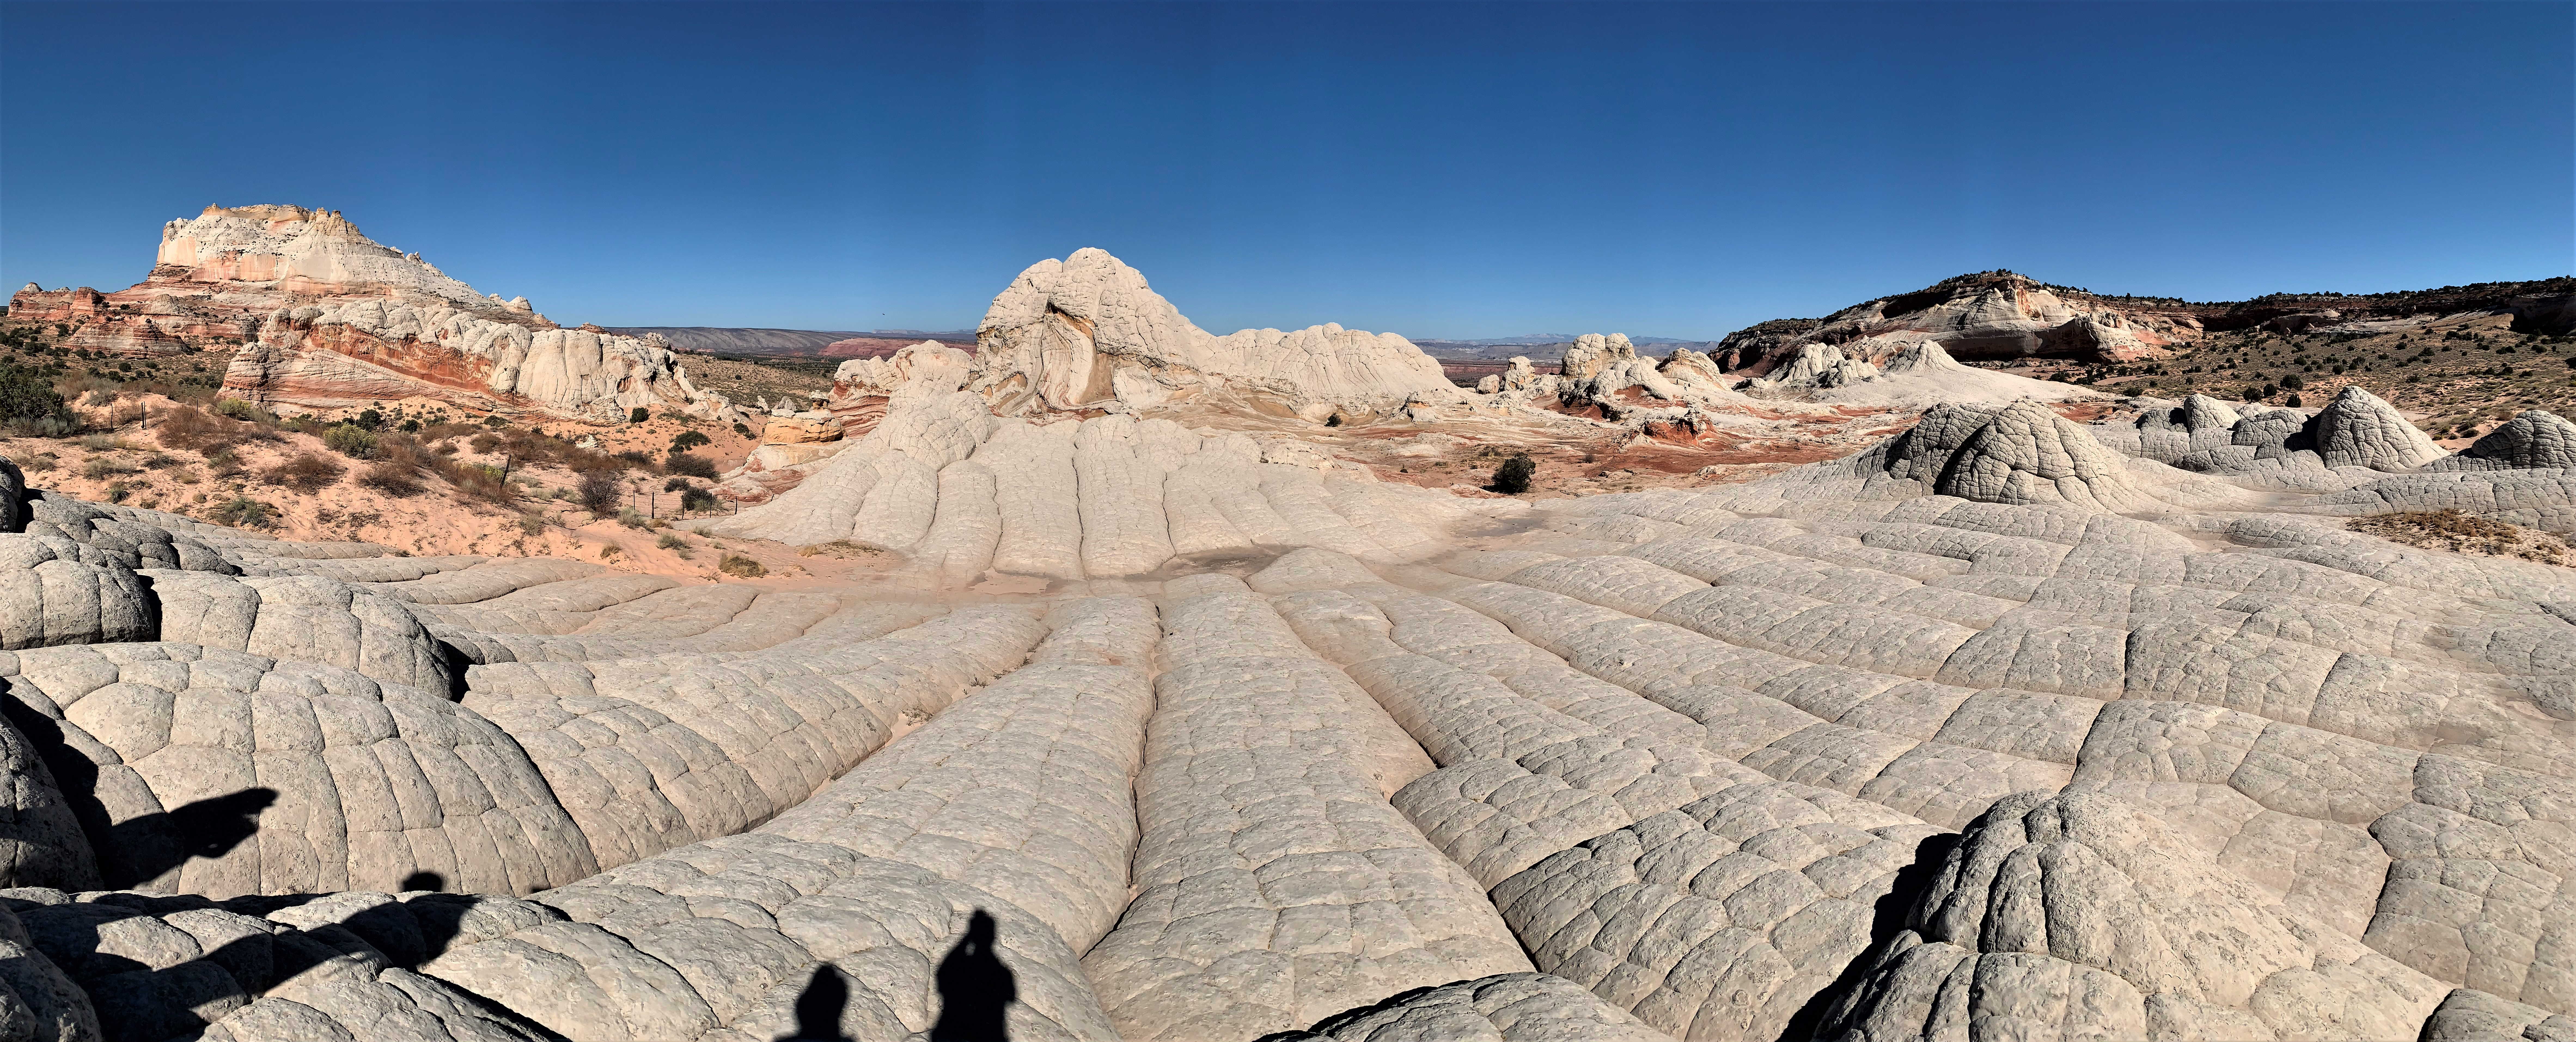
column 28, row 402
column 693, row 466
column 698, row 499
column 367, row 420
column 745, row 431
column 639, row 414
column 689, row 440
column 241, row 409
column 351, row 440
column 741, row 567
column 241, row 512
column 1513, row 477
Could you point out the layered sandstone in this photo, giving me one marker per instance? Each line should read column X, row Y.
column 317, row 315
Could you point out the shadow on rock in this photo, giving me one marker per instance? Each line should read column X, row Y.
column 975, row 989
column 818, row 1008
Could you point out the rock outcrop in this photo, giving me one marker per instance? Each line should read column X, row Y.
column 1987, row 315
column 1919, row 376
column 2077, row 915
column 2353, row 440
column 2000, row 314
column 2535, row 439
column 319, row 316
column 1086, row 332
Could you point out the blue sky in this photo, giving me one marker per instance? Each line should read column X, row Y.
column 1439, row 170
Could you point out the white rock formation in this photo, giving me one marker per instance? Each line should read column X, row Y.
column 303, row 251
column 960, row 493
column 363, row 351
column 1086, row 331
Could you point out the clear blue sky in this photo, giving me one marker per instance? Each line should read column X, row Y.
column 1439, row 170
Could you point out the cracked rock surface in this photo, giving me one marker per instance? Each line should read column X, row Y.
column 2007, row 727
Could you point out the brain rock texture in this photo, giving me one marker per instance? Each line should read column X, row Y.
column 2008, row 727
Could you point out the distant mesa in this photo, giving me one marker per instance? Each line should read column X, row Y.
column 1999, row 315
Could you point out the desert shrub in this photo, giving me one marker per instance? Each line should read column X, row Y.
column 394, row 479
column 189, row 427
column 633, row 518
column 306, row 473
column 1513, row 477
column 2449, row 529
column 29, row 403
column 104, row 443
column 691, row 465
column 689, row 440
column 741, row 567
column 676, row 485
column 2293, row 382
column 474, row 481
column 672, row 542
column 160, row 461
column 698, row 499
column 242, row 512
column 367, row 420
column 532, row 524
column 40, row 462
column 600, row 492
column 483, row 442
column 637, row 458
column 639, row 414
column 742, row 429
column 242, row 409
column 410, row 426
column 117, row 491
column 97, row 467
column 2294, row 401
column 185, row 476
column 351, row 440
column 496, row 422
column 222, row 461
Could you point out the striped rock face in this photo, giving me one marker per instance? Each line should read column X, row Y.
column 1992, row 731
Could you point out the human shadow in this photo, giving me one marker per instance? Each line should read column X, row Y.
column 138, row 849
column 975, row 989
column 818, row 1008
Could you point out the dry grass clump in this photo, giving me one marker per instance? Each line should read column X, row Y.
column 840, row 549
column 2452, row 530
column 196, row 430
column 305, row 472
column 741, row 567
column 242, row 512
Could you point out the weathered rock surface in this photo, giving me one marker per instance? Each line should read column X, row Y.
column 2076, row 915
column 2536, row 439
column 1990, row 731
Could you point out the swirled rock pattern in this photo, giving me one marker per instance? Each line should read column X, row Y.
column 2004, row 727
